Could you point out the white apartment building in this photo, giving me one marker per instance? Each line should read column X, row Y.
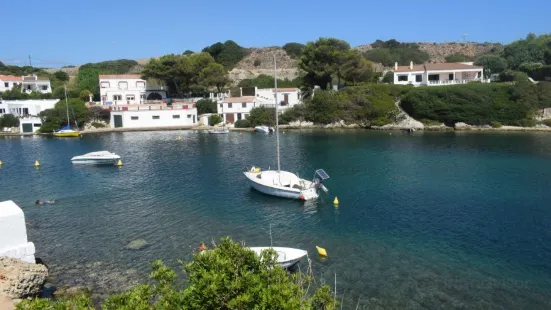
column 233, row 109
column 154, row 115
column 27, row 111
column 438, row 74
column 29, row 84
column 117, row 89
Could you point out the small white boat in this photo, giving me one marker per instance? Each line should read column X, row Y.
column 263, row 129
column 97, row 158
column 219, row 131
column 286, row 257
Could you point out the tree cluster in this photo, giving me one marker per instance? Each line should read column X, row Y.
column 227, row 277
column 8, row 120
column 227, row 54
column 266, row 81
column 192, row 74
column 53, row 119
column 330, row 61
column 391, row 51
column 293, row 49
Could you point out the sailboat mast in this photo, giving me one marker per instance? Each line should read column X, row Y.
column 276, row 114
column 67, row 105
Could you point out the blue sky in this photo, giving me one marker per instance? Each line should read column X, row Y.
column 65, row 32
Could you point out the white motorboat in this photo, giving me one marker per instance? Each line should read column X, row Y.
column 286, row 257
column 263, row 129
column 219, row 131
column 283, row 183
column 97, row 158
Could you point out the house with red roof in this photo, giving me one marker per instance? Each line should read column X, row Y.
column 438, row 74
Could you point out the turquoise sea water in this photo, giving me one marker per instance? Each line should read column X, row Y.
column 429, row 220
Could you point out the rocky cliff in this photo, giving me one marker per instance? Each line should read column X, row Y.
column 19, row 279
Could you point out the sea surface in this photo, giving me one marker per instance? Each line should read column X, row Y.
column 426, row 220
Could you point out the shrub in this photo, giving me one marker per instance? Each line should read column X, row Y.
column 262, row 116
column 547, row 122
column 527, row 122
column 9, row 120
column 257, row 62
column 215, row 119
column 206, row 106
column 230, row 276
column 495, row 124
column 388, row 77
column 98, row 125
column 294, row 50
column 242, row 123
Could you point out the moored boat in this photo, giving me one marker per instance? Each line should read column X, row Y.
column 286, row 257
column 219, row 131
column 66, row 132
column 263, row 129
column 96, row 158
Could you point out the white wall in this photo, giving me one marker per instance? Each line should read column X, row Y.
column 37, row 86
column 13, row 233
column 34, row 120
column 266, row 96
column 165, row 118
column 34, row 106
column 11, row 84
column 410, row 78
column 124, row 88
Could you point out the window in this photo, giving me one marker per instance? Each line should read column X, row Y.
column 37, row 125
column 2, row 111
column 156, row 117
column 140, row 84
column 479, row 74
column 14, row 84
column 229, row 105
column 221, row 105
column 189, row 116
column 402, row 78
column 25, row 111
column 450, row 76
column 7, row 84
column 434, row 77
column 130, row 97
column 134, row 118
column 239, row 116
column 176, row 116
column 244, row 105
column 104, row 84
column 419, row 78
column 123, row 85
column 44, row 87
column 142, row 96
column 117, row 97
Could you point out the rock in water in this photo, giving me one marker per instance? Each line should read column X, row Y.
column 19, row 279
column 137, row 244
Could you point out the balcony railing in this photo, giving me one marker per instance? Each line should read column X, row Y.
column 455, row 82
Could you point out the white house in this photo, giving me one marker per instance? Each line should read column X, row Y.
column 27, row 111
column 32, row 83
column 120, row 89
column 435, row 74
column 233, row 109
column 13, row 233
column 154, row 115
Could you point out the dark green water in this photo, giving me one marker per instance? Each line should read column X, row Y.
column 430, row 220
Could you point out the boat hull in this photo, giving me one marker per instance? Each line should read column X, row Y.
column 94, row 161
column 280, row 191
column 218, row 132
column 286, row 257
column 74, row 134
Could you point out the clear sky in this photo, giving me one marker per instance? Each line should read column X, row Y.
column 73, row 32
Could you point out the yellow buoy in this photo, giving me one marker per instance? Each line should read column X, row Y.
column 336, row 201
column 0, row 163
column 119, row 163
column 179, row 137
column 36, row 163
column 321, row 251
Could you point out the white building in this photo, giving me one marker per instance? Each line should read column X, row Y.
column 13, row 233
column 29, row 84
column 437, row 74
column 27, row 111
column 120, row 89
column 233, row 109
column 154, row 115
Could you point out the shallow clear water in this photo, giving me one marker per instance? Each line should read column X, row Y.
column 429, row 220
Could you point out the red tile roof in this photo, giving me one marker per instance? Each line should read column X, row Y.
column 119, row 76
column 287, row 89
column 240, row 99
column 437, row 67
column 10, row 78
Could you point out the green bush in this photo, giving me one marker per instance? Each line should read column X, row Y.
column 98, row 125
column 262, row 116
column 294, row 50
column 215, row 119
column 475, row 104
column 547, row 122
column 9, row 120
column 230, row 276
column 206, row 106
column 257, row 62
column 242, row 123
column 495, row 124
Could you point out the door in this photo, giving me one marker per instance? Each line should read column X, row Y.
column 230, row 118
column 27, row 127
column 118, row 120
column 285, row 99
column 194, row 119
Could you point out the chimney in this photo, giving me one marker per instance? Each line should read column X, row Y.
column 395, row 66
column 411, row 65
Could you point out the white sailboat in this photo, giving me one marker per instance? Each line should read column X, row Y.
column 283, row 183
column 66, row 131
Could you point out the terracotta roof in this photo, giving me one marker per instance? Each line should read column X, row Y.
column 437, row 67
column 450, row 66
column 119, row 76
column 407, row 69
column 240, row 99
column 287, row 89
column 10, row 78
